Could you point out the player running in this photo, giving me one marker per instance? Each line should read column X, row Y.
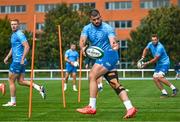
column 19, row 50
column 102, row 35
column 162, row 65
column 72, row 59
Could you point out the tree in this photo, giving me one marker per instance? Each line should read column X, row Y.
column 71, row 23
column 5, row 34
column 163, row 21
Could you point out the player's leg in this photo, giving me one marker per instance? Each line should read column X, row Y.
column 100, row 84
column 3, row 88
column 23, row 82
column 161, row 76
column 66, row 80
column 12, row 86
column 96, row 72
column 159, row 85
column 74, row 81
column 112, row 78
column 166, row 82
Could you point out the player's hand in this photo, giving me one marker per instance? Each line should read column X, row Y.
column 83, row 50
column 145, row 64
column 141, row 59
column 72, row 63
column 115, row 46
column 22, row 62
column 6, row 60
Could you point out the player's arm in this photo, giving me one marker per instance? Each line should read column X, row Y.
column 82, row 43
column 145, row 51
column 67, row 60
column 8, row 56
column 114, row 43
column 26, row 50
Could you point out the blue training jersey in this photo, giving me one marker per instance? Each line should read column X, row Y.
column 17, row 38
column 99, row 36
column 159, row 50
column 72, row 55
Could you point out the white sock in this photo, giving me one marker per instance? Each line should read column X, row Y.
column 74, row 86
column 13, row 99
column 172, row 87
column 100, row 85
column 37, row 87
column 164, row 91
column 128, row 104
column 92, row 102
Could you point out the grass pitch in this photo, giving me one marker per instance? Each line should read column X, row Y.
column 143, row 94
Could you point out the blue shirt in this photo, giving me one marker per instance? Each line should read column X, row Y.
column 159, row 50
column 17, row 38
column 99, row 36
column 72, row 55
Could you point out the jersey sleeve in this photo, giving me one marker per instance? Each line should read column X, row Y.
column 111, row 32
column 21, row 37
column 148, row 45
column 85, row 31
column 67, row 54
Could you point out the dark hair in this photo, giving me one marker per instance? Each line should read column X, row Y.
column 16, row 20
column 154, row 35
column 94, row 13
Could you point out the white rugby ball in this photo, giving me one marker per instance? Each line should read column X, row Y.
column 76, row 64
column 94, row 52
column 140, row 64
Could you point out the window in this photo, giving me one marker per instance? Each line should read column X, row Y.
column 77, row 6
column 120, row 24
column 149, row 4
column 39, row 26
column 12, row 9
column 44, row 7
column 23, row 26
column 118, row 5
column 123, row 54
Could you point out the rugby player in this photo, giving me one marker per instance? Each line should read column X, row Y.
column 19, row 50
column 162, row 64
column 102, row 35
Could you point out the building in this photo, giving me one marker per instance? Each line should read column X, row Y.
column 124, row 15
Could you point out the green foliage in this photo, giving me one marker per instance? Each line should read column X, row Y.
column 5, row 34
column 71, row 23
column 163, row 21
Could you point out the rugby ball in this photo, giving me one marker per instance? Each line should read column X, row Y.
column 140, row 64
column 76, row 64
column 94, row 52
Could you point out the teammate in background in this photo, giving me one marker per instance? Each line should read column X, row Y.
column 162, row 65
column 3, row 88
column 72, row 59
column 177, row 70
column 19, row 50
column 88, row 65
column 102, row 35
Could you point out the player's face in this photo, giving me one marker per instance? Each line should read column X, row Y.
column 73, row 47
column 14, row 25
column 96, row 21
column 154, row 40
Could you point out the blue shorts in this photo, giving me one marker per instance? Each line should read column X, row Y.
column 162, row 68
column 17, row 68
column 109, row 60
column 70, row 68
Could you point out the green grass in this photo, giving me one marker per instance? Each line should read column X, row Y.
column 143, row 94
